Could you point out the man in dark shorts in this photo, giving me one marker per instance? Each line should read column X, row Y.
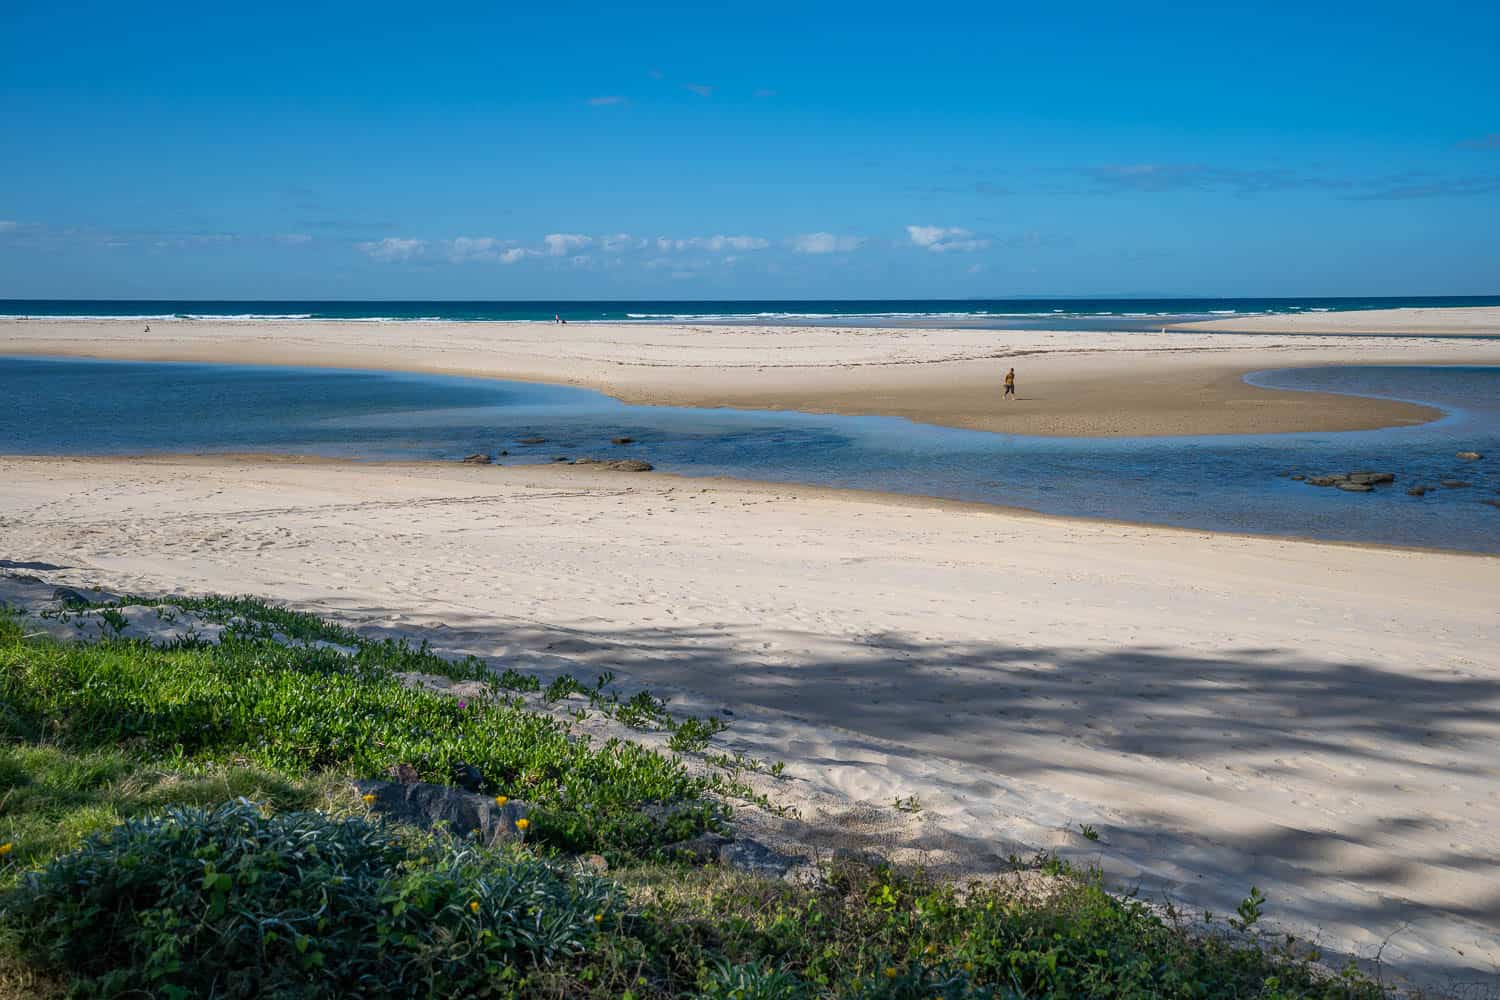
column 1010, row 384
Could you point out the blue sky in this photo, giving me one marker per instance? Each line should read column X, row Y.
column 577, row 151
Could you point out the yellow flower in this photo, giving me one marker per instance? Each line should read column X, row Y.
column 500, row 801
column 890, row 973
column 968, row 966
column 522, row 824
column 930, row 950
column 474, row 906
column 598, row 918
column 6, row 848
column 369, row 798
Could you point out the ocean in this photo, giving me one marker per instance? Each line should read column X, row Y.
column 1130, row 313
column 1222, row 483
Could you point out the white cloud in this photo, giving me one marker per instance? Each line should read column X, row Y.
column 701, row 89
column 393, row 248
column 826, row 243
column 464, row 248
column 581, row 260
column 714, row 244
column 561, row 244
column 517, row 253
column 600, row 102
column 943, row 239
column 616, row 243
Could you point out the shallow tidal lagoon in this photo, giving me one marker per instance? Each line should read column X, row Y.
column 1221, row 483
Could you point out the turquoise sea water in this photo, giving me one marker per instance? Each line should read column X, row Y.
column 1133, row 313
column 1229, row 483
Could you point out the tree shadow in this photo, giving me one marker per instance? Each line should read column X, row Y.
column 1362, row 798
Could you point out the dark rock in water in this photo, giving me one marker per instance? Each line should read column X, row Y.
column 1454, row 484
column 402, row 774
column 756, row 858
column 467, row 777
column 532, row 440
column 559, row 458
column 504, row 452
column 1470, row 456
column 1299, row 477
column 462, row 813
column 1493, row 503
column 1355, row 487
column 1417, row 491
column 1324, row 480
column 1371, row 478
column 622, row 440
column 617, row 464
column 480, row 458
column 70, row 598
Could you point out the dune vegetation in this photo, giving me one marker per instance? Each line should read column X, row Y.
column 178, row 821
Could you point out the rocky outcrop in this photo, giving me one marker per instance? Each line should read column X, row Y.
column 622, row 440
column 478, row 458
column 461, row 813
column 1470, row 456
column 1454, row 484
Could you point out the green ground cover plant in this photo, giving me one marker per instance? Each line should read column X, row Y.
column 177, row 822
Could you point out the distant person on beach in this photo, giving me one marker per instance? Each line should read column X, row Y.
column 148, row 327
column 1010, row 384
column 556, row 318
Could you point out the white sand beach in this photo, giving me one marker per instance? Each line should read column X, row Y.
column 1461, row 321
column 1316, row 720
column 1070, row 384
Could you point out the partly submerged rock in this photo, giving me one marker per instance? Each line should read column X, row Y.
column 1353, row 487
column 1470, row 456
column 532, row 440
column 462, row 813
column 1454, row 484
column 479, row 458
column 622, row 440
column 618, row 464
column 1417, row 491
column 1370, row 478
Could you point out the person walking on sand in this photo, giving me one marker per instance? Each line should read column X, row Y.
column 1010, row 384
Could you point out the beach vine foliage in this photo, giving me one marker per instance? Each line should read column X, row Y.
column 300, row 709
column 178, row 822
